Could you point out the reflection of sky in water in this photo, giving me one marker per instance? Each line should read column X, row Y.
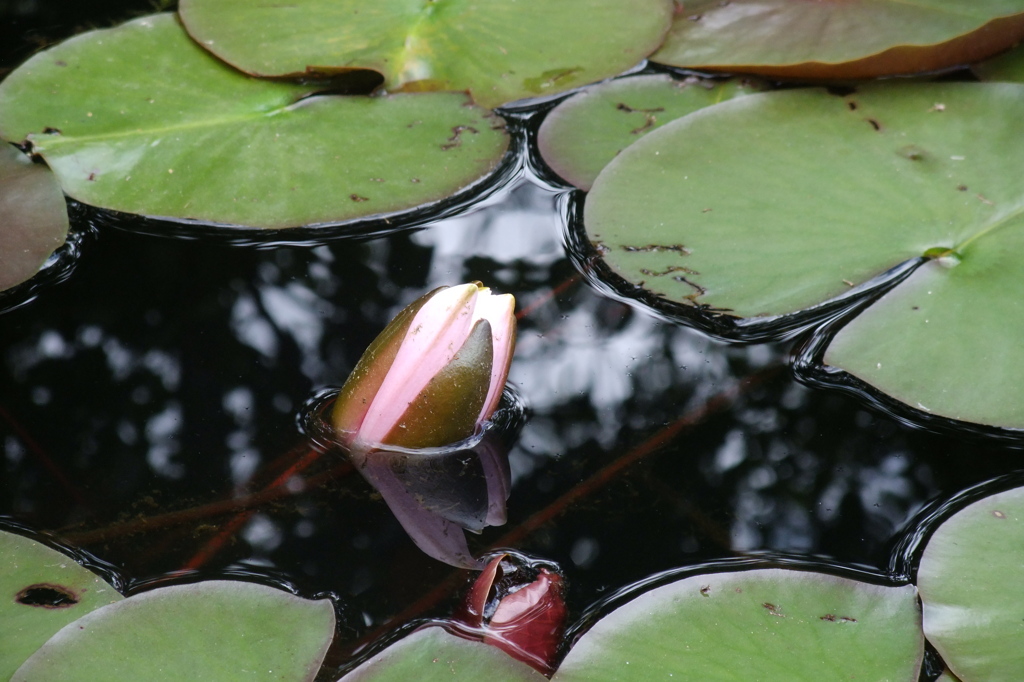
column 526, row 230
column 166, row 374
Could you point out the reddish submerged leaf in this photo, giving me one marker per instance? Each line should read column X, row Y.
column 519, row 610
column 838, row 39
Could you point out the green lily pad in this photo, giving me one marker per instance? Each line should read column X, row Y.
column 33, row 217
column 947, row 676
column 498, row 51
column 971, row 592
column 219, row 631
column 42, row 591
column 945, row 340
column 140, row 119
column 785, row 625
column 1007, row 67
column 434, row 654
column 582, row 134
column 773, row 209
column 848, row 39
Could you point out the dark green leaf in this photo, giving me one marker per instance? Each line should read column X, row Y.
column 216, row 631
column 41, row 591
column 769, row 624
column 1008, row 67
column 140, row 119
column 499, row 51
column 971, row 591
column 582, row 134
column 778, row 203
column 848, row 39
column 432, row 654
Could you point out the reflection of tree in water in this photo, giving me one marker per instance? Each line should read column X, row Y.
column 164, row 379
column 191, row 359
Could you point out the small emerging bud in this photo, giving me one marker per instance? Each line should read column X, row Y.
column 433, row 375
column 519, row 609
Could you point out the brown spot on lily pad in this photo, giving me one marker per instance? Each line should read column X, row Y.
column 47, row 596
column 670, row 269
column 912, row 152
column 654, row 248
column 622, row 106
column 832, row 618
column 456, row 139
column 649, row 121
column 700, row 290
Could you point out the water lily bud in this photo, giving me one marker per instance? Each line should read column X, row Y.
column 433, row 375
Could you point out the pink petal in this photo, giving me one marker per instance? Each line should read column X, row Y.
column 476, row 600
column 435, row 335
column 498, row 311
column 523, row 601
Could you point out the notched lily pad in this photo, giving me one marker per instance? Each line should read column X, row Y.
column 839, row 39
column 33, row 216
column 786, row 625
column 945, row 341
column 140, row 119
column 220, row 631
column 498, row 51
column 971, row 591
column 825, row 199
column 41, row 591
column 582, row 134
column 433, row 654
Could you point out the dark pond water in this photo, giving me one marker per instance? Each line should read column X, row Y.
column 147, row 403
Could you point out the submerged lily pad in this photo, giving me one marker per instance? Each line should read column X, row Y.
column 498, row 51
column 847, row 39
column 971, row 590
column 582, row 134
column 33, row 217
column 433, row 654
column 765, row 209
column 785, row 625
column 218, row 631
column 41, row 591
column 140, row 119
